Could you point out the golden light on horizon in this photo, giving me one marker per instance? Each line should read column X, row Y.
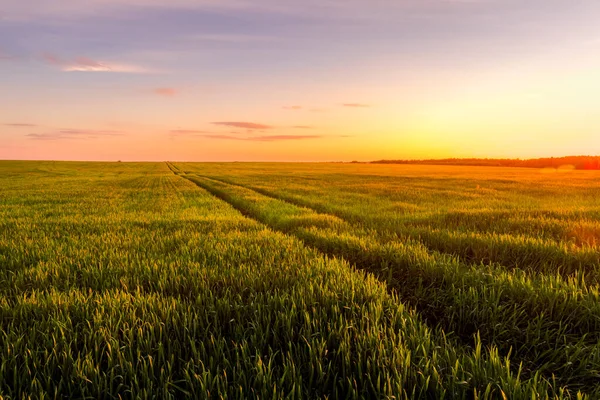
column 366, row 82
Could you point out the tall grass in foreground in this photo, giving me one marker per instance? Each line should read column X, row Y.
column 124, row 280
column 548, row 323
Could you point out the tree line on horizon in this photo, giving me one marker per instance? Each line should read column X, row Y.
column 577, row 162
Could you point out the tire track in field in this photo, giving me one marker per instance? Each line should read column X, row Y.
column 587, row 273
column 306, row 240
column 174, row 169
column 430, row 283
column 579, row 284
column 326, row 252
column 455, row 341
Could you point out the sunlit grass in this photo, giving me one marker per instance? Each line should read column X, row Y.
column 127, row 280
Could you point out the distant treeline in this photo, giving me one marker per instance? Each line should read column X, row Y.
column 578, row 162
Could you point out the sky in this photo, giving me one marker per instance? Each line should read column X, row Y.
column 298, row 80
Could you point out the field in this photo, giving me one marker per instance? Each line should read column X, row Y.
column 235, row 280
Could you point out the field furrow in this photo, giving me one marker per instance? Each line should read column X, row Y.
column 506, row 309
column 532, row 254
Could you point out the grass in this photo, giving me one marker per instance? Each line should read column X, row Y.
column 509, row 309
column 153, row 280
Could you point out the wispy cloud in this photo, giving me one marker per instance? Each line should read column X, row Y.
column 292, row 107
column 73, row 134
column 84, row 64
column 21, row 125
column 266, row 138
column 244, row 125
column 303, row 127
column 356, row 105
column 166, row 91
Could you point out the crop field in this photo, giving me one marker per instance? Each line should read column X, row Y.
column 298, row 281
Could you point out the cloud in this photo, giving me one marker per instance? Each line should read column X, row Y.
column 166, row 92
column 266, row 138
column 245, row 125
column 84, row 64
column 21, row 125
column 356, row 105
column 73, row 134
column 303, row 127
column 292, row 107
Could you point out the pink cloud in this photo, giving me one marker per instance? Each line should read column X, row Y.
column 84, row 64
column 21, row 125
column 245, row 125
column 292, row 107
column 72, row 134
column 166, row 91
column 267, row 138
column 356, row 105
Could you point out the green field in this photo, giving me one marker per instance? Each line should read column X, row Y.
column 235, row 280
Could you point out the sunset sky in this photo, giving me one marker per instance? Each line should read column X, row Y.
column 298, row 80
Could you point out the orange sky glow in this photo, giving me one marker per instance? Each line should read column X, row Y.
column 288, row 80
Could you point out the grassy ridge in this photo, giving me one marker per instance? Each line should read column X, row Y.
column 124, row 280
column 549, row 323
